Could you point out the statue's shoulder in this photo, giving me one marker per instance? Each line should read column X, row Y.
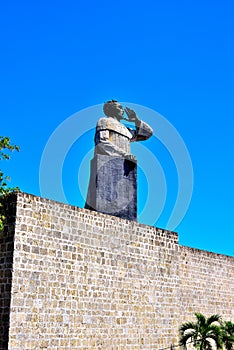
column 114, row 125
column 102, row 122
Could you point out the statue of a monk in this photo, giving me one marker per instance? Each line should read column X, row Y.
column 113, row 179
column 113, row 138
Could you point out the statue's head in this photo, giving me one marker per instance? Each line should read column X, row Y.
column 113, row 109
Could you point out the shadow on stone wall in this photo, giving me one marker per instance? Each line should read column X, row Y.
column 6, row 261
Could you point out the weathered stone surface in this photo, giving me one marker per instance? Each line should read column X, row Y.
column 6, row 263
column 85, row 280
column 207, row 283
column 113, row 187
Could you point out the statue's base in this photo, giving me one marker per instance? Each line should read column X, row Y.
column 113, row 187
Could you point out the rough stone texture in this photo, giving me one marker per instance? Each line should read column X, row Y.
column 207, row 283
column 86, row 280
column 6, row 261
column 113, row 187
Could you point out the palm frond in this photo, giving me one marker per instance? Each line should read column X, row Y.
column 184, row 338
column 187, row 326
column 200, row 317
column 204, row 333
column 214, row 318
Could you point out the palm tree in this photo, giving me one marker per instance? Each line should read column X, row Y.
column 228, row 335
column 203, row 334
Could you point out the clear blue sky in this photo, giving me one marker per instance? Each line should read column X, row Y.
column 174, row 57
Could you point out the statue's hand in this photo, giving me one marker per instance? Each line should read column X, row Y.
column 131, row 114
column 131, row 157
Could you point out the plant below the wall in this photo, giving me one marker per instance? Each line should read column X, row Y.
column 228, row 335
column 203, row 334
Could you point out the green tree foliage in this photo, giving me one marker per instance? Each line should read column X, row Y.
column 203, row 333
column 6, row 147
column 228, row 335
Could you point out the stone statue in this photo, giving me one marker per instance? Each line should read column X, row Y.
column 112, row 137
column 113, row 180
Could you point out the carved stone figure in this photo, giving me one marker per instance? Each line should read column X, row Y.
column 113, row 180
column 112, row 137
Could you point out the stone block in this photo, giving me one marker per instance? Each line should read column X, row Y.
column 113, row 187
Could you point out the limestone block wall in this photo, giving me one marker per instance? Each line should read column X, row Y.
column 206, row 283
column 6, row 262
column 85, row 280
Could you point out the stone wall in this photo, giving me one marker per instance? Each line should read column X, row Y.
column 206, row 283
column 6, row 262
column 85, row 280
